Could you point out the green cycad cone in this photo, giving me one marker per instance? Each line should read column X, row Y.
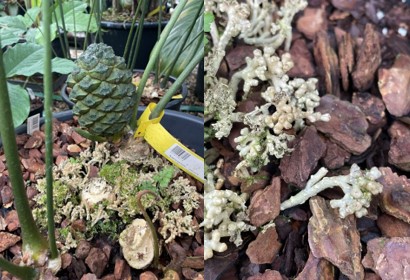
column 102, row 90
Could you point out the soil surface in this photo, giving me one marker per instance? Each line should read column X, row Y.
column 360, row 51
column 100, row 257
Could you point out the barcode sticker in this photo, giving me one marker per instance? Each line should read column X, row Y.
column 167, row 145
column 186, row 159
column 33, row 123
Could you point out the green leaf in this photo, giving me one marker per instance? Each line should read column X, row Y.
column 10, row 36
column 62, row 65
column 31, row 15
column 208, row 19
column 27, row 59
column 164, row 176
column 13, row 22
column 20, row 103
column 36, row 35
column 11, row 29
column 75, row 17
column 174, row 41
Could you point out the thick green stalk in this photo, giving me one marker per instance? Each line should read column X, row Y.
column 22, row 272
column 33, row 241
column 48, row 103
column 176, row 85
column 153, row 58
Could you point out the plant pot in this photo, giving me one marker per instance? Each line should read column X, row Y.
column 184, row 127
column 36, row 107
column 174, row 104
column 116, row 33
column 36, row 82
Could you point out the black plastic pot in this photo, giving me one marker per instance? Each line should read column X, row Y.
column 115, row 34
column 37, row 86
column 174, row 104
column 186, row 128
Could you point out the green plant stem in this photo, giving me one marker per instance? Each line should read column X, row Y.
column 128, row 43
column 176, row 85
column 67, row 47
column 27, row 4
column 140, row 194
column 22, row 272
column 136, row 41
column 60, row 38
column 32, row 238
column 159, row 35
column 75, row 33
column 153, row 58
column 48, row 103
column 98, row 21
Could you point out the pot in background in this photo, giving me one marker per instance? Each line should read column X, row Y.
column 115, row 34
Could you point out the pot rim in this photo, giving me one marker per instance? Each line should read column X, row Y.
column 127, row 25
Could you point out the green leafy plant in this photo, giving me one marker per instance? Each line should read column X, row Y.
column 27, row 59
column 70, row 14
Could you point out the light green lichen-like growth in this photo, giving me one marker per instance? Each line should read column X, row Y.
column 288, row 104
column 256, row 22
column 220, row 105
column 226, row 215
column 294, row 101
column 108, row 202
column 263, row 24
column 358, row 187
column 175, row 224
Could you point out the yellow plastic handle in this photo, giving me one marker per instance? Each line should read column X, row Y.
column 169, row 147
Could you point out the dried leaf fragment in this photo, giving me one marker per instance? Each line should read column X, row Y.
column 395, row 198
column 347, row 125
column 265, row 248
column 327, row 62
column 346, row 59
column 369, row 59
column 394, row 86
column 389, row 257
column 399, row 153
column 335, row 239
column 265, row 204
column 317, row 269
